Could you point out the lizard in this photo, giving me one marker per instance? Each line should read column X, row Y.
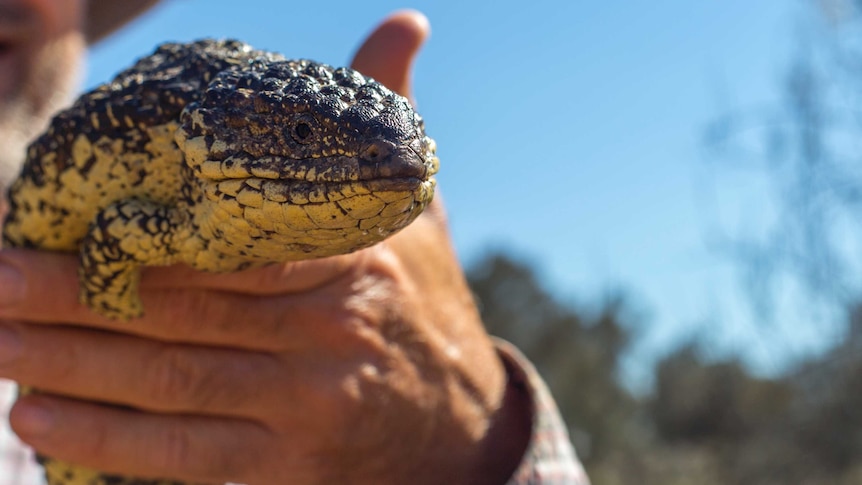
column 222, row 157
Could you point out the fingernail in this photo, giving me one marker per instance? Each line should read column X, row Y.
column 11, row 285
column 31, row 419
column 10, row 344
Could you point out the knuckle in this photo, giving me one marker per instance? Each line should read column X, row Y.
column 229, row 463
column 222, row 317
column 173, row 451
column 186, row 380
column 174, row 378
column 273, row 276
column 185, row 313
column 59, row 359
column 94, row 443
column 193, row 451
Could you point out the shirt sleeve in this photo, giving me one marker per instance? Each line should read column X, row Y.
column 17, row 464
column 550, row 457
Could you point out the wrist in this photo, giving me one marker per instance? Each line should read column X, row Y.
column 508, row 436
column 493, row 457
column 481, row 444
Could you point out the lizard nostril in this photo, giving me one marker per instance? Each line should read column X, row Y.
column 376, row 151
column 372, row 153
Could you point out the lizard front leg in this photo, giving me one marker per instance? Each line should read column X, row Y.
column 125, row 236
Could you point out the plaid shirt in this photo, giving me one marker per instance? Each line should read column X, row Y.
column 549, row 459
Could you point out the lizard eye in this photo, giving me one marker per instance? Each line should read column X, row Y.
column 302, row 132
column 302, row 129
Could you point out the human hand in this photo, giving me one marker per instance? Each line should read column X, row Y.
column 371, row 367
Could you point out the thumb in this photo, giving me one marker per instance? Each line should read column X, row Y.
column 388, row 52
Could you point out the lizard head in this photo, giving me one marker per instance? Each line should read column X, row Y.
column 318, row 160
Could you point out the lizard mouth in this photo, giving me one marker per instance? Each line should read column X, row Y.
column 302, row 192
column 318, row 180
column 399, row 169
column 329, row 201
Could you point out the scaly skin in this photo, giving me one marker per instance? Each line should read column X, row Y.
column 221, row 157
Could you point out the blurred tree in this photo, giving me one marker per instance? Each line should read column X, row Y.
column 809, row 149
column 808, row 258
column 722, row 403
column 706, row 423
column 828, row 408
column 714, row 422
column 578, row 355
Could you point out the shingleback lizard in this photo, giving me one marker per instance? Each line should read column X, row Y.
column 221, row 157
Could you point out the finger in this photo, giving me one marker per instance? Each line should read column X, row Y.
column 276, row 278
column 388, row 53
column 272, row 279
column 142, row 373
column 270, row 323
column 128, row 442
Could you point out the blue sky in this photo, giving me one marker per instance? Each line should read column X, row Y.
column 570, row 132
